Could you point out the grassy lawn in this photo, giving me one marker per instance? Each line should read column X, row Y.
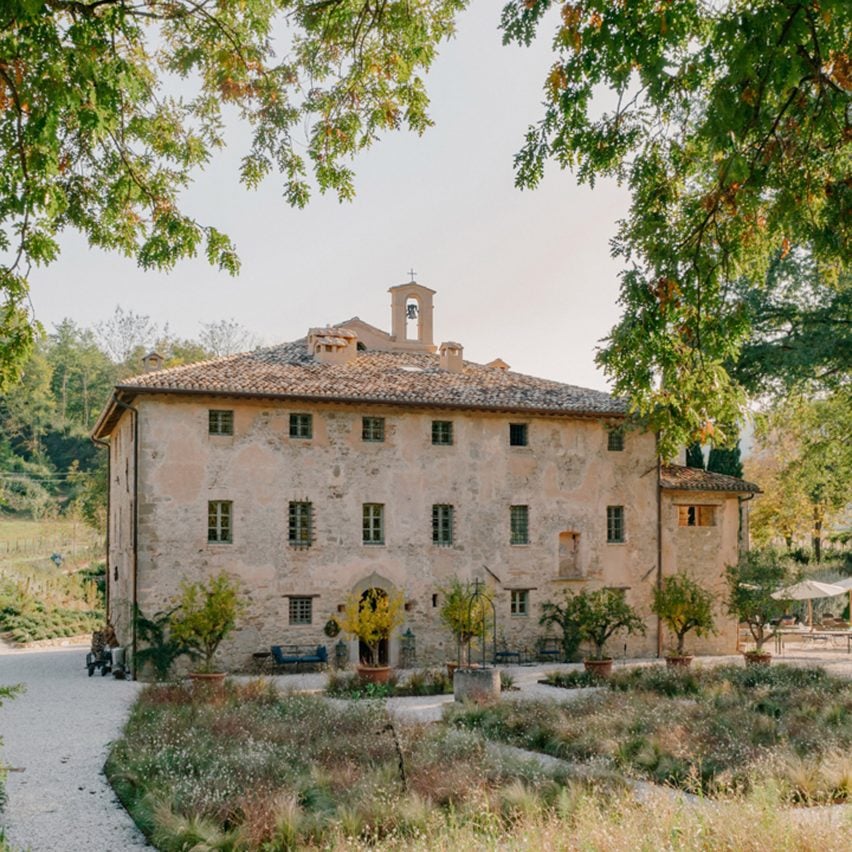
column 246, row 768
column 716, row 731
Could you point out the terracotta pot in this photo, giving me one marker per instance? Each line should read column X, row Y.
column 678, row 661
column 207, row 678
column 757, row 658
column 599, row 668
column 451, row 669
column 375, row 674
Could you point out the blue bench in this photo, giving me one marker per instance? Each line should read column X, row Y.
column 293, row 655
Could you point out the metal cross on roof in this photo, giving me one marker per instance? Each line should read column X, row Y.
column 413, row 275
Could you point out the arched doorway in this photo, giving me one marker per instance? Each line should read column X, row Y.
column 365, row 655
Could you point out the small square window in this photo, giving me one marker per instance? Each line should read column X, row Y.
column 300, row 524
column 374, row 523
column 519, row 525
column 615, row 440
column 442, row 432
column 301, row 426
column 219, row 521
column 373, row 429
column 220, row 422
column 615, row 524
column 696, row 516
column 442, row 525
column 518, row 435
column 519, row 603
column 301, row 610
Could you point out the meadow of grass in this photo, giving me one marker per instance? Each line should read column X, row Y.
column 715, row 731
column 246, row 768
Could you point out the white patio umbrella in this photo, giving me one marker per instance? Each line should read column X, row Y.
column 807, row 590
column 846, row 583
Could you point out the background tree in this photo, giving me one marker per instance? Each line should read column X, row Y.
column 226, row 337
column 695, row 455
column 725, row 460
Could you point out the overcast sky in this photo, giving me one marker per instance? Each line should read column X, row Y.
column 525, row 276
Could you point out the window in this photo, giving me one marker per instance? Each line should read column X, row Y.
column 373, row 429
column 219, row 520
column 301, row 426
column 220, row 422
column 520, row 525
column 614, row 524
column 615, row 440
column 518, row 435
column 442, row 525
column 374, row 523
column 301, row 610
column 300, row 525
column 442, row 432
column 696, row 516
column 519, row 603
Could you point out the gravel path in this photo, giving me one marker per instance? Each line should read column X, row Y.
column 57, row 733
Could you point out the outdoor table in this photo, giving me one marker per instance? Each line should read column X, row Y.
column 813, row 635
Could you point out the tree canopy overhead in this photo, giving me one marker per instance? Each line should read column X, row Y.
column 729, row 121
column 94, row 137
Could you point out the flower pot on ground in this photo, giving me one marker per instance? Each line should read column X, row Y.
column 678, row 661
column 598, row 668
column 374, row 674
column 751, row 583
column 371, row 618
column 757, row 658
column 600, row 615
column 683, row 606
column 206, row 615
column 465, row 620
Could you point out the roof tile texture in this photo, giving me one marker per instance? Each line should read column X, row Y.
column 677, row 477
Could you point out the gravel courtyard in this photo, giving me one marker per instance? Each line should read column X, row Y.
column 57, row 735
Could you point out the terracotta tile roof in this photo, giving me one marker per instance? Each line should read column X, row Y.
column 677, row 477
column 397, row 378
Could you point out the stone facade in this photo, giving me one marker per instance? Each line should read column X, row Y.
column 566, row 472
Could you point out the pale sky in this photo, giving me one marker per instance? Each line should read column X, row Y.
column 526, row 276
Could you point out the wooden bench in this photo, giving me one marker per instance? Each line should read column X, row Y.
column 505, row 657
column 296, row 655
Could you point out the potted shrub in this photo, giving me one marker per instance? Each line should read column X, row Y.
column 751, row 583
column 206, row 614
column 463, row 620
column 601, row 614
column 683, row 605
column 372, row 618
column 160, row 648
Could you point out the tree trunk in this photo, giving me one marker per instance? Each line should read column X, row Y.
column 817, row 533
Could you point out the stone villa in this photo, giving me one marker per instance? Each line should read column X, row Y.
column 355, row 458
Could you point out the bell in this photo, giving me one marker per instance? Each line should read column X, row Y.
column 411, row 310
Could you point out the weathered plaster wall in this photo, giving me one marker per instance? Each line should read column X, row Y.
column 703, row 553
column 566, row 476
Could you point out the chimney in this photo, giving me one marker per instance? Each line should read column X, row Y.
column 152, row 361
column 332, row 345
column 451, row 357
column 498, row 364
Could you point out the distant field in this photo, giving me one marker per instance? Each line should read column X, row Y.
column 26, row 539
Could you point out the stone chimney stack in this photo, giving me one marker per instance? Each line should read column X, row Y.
column 332, row 345
column 152, row 361
column 451, row 357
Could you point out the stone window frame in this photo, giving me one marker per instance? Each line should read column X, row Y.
column 373, row 430
column 615, row 525
column 443, row 524
column 301, row 609
column 300, row 524
column 615, row 439
column 519, row 435
column 301, row 425
column 220, row 421
column 220, row 526
column 519, row 603
column 696, row 515
column 519, row 524
column 373, row 524
column 442, row 433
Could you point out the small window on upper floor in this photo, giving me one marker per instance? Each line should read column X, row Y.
column 442, row 432
column 696, row 516
column 519, row 525
column 442, row 525
column 301, row 426
column 300, row 524
column 615, row 440
column 615, row 524
column 219, row 526
column 373, row 526
column 373, row 429
column 220, row 422
column 518, row 435
column 519, row 602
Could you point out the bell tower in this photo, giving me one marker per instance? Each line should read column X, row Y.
column 411, row 318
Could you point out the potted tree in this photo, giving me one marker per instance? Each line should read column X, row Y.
column 564, row 615
column 372, row 618
column 206, row 614
column 751, row 583
column 601, row 614
column 683, row 605
column 463, row 620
